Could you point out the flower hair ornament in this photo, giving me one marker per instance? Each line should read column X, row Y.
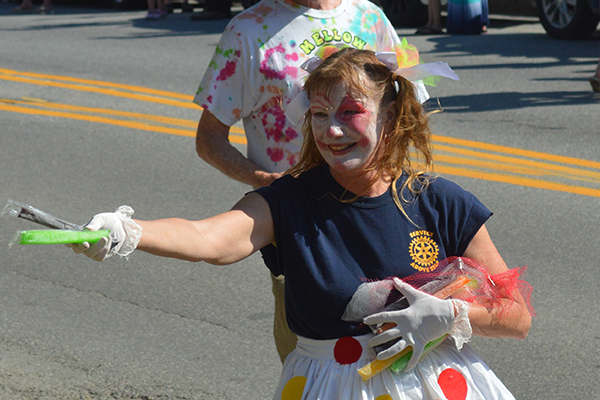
column 404, row 62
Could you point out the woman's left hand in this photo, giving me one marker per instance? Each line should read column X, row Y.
column 426, row 319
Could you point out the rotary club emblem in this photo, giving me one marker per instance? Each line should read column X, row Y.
column 423, row 251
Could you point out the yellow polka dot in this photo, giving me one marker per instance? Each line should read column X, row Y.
column 294, row 388
column 384, row 397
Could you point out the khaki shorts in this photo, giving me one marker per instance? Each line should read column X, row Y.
column 285, row 340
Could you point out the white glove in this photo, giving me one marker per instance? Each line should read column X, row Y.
column 426, row 319
column 124, row 235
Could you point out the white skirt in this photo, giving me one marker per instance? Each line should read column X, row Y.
column 328, row 370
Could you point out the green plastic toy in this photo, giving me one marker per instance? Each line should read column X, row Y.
column 401, row 363
column 58, row 236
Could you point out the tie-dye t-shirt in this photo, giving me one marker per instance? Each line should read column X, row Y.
column 255, row 70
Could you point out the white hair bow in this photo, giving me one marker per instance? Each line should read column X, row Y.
column 417, row 72
column 296, row 109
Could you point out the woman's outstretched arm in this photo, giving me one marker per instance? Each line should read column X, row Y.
column 223, row 239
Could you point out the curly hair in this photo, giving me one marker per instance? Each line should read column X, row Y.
column 410, row 129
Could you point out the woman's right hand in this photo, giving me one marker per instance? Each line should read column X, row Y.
column 123, row 238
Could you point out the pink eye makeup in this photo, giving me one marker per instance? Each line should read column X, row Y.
column 353, row 114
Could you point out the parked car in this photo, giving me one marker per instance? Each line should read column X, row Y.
column 569, row 19
column 562, row 19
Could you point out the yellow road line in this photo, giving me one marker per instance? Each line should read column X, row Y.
column 132, row 88
column 517, row 165
column 149, row 95
column 103, row 111
column 80, row 113
column 93, row 118
column 517, row 152
column 235, row 137
column 515, row 177
column 516, row 180
column 453, row 156
column 527, row 163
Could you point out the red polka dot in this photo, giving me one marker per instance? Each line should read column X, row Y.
column 347, row 350
column 453, row 384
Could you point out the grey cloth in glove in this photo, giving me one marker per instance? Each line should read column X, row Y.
column 426, row 319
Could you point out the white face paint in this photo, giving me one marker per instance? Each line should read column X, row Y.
column 345, row 129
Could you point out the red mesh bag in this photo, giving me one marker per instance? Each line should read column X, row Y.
column 455, row 277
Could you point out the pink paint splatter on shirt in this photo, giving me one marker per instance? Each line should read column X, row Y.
column 274, row 74
column 275, row 154
column 292, row 57
column 290, row 134
column 274, row 121
column 227, row 72
column 272, row 118
column 292, row 159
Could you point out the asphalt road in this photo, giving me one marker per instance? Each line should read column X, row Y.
column 84, row 130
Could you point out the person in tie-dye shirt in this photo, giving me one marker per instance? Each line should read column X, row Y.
column 255, row 72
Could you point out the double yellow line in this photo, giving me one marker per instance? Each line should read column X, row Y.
column 516, row 166
column 147, row 122
column 453, row 156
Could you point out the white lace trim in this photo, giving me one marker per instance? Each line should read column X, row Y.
column 462, row 331
column 133, row 232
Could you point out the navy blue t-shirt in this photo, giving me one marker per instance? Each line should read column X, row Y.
column 326, row 247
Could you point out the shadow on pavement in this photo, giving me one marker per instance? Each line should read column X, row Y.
column 175, row 24
column 515, row 100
